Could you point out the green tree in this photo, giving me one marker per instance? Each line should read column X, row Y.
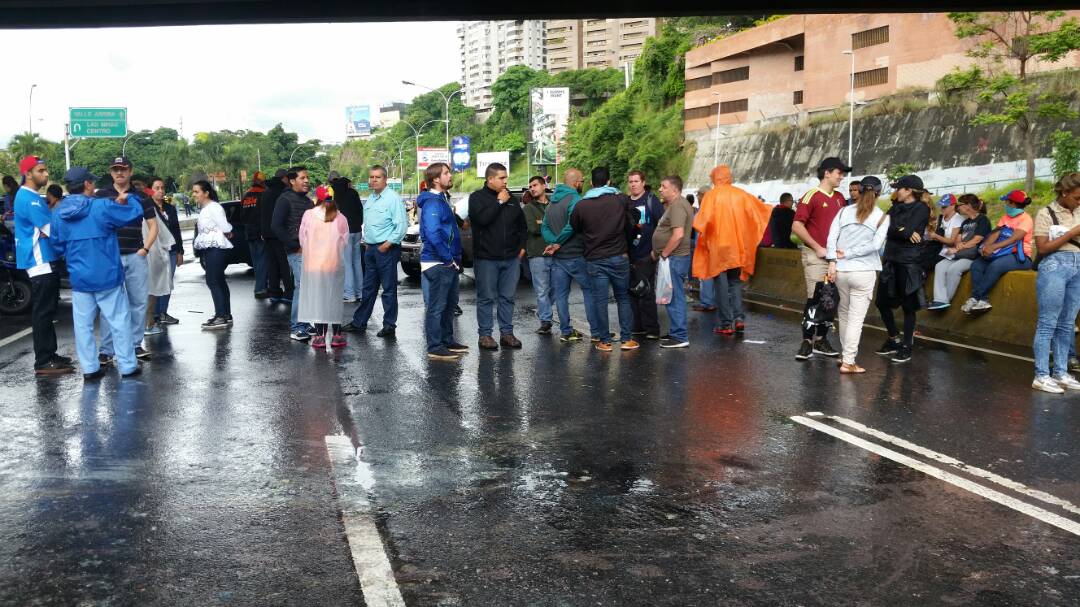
column 1066, row 153
column 1009, row 44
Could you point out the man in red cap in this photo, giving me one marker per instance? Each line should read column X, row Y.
column 34, row 253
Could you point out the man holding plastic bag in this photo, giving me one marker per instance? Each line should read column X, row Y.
column 672, row 247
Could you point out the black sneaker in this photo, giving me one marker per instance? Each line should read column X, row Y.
column 168, row 320
column 137, row 372
column 141, row 353
column 387, row 332
column 903, row 354
column 457, row 348
column 216, row 323
column 441, row 354
column 104, row 359
column 351, row 328
column 95, row 376
column 890, row 347
column 261, row 294
column 67, row 360
column 806, row 350
column 545, row 328
column 53, row 367
column 822, row 346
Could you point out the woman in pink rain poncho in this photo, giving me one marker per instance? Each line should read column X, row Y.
column 323, row 233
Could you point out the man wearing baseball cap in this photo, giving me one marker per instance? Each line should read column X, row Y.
column 85, row 229
column 813, row 218
column 34, row 253
column 133, row 250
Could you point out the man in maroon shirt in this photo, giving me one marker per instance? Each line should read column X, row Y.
column 813, row 217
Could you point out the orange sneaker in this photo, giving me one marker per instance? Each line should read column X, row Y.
column 604, row 347
column 629, row 345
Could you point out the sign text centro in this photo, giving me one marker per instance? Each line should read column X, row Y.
column 97, row 122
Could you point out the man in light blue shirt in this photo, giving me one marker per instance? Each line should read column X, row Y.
column 384, row 227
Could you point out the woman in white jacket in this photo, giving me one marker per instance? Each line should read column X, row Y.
column 855, row 240
column 212, row 234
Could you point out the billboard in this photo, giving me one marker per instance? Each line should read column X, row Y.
column 428, row 156
column 357, row 121
column 549, row 110
column 483, row 159
column 460, row 153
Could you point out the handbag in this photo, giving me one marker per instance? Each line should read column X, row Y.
column 640, row 284
column 824, row 304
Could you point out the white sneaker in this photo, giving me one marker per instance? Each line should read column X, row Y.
column 1047, row 384
column 981, row 306
column 968, row 304
column 1067, row 382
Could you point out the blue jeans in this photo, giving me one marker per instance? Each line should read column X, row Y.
column 162, row 305
column 727, row 291
column 354, row 267
column 113, row 306
column 496, row 279
column 707, row 293
column 985, row 273
column 610, row 273
column 296, row 266
column 216, row 262
column 563, row 269
column 1057, row 290
column 676, row 310
column 540, row 268
column 258, row 261
column 137, row 288
column 381, row 271
column 440, row 287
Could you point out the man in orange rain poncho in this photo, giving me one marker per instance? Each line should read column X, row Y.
column 729, row 225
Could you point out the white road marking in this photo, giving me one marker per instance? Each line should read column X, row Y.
column 15, row 336
column 958, row 481
column 1042, row 496
column 922, row 337
column 353, row 480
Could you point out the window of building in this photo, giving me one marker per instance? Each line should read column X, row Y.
column 800, row 63
column 865, row 38
column 695, row 113
column 797, row 98
column 738, row 105
column 732, row 75
column 872, row 77
column 696, row 84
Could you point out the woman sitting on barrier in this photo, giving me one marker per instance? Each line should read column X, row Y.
column 1057, row 288
column 959, row 257
column 1006, row 249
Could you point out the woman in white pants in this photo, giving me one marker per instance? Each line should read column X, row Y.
column 853, row 250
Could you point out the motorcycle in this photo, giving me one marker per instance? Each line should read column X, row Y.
column 15, row 292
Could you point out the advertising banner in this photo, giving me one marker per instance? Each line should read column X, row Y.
column 483, row 159
column 549, row 112
column 357, row 121
column 460, row 153
column 425, row 157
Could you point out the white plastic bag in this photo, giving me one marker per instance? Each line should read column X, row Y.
column 663, row 281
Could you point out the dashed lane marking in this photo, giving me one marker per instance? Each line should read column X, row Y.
column 16, row 336
column 957, row 481
column 353, row 481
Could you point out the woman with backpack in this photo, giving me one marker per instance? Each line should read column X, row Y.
column 1007, row 249
column 323, row 234
column 1057, row 288
column 902, row 275
column 961, row 253
column 855, row 237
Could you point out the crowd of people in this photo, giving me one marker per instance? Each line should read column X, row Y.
column 317, row 249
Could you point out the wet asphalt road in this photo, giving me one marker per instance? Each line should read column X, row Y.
column 552, row 475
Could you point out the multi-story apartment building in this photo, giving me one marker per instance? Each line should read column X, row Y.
column 583, row 43
column 489, row 48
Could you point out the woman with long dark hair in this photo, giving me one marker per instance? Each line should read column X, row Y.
column 212, row 235
column 902, row 276
column 855, row 239
column 323, row 234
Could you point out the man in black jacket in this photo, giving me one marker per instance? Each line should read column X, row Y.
column 499, row 235
column 288, row 213
column 279, row 281
column 608, row 223
column 252, row 222
column 348, row 202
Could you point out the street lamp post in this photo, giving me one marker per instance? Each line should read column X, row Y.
column 416, row 133
column 30, row 111
column 123, row 146
column 446, row 107
column 294, row 152
column 716, row 135
column 851, row 112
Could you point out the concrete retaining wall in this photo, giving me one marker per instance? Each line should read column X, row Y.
column 1012, row 321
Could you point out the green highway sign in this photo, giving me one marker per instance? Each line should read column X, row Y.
column 98, row 122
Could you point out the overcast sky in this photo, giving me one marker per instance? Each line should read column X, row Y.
column 218, row 77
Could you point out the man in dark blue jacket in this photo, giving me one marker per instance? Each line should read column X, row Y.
column 440, row 263
column 649, row 211
column 84, row 229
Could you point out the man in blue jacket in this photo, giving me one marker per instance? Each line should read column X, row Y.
column 440, row 263
column 84, row 229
